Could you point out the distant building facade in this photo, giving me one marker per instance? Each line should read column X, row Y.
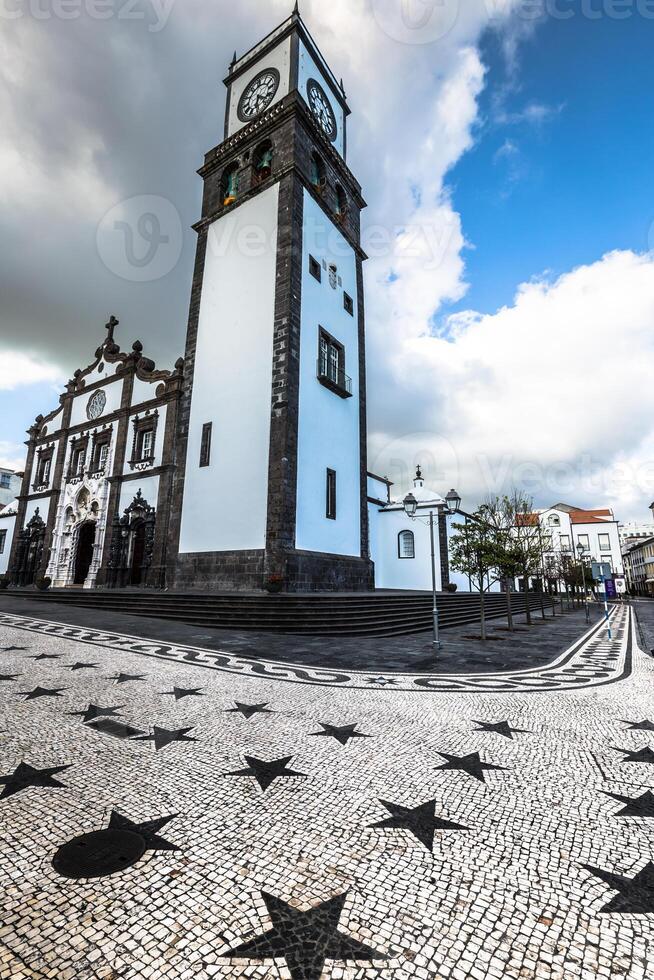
column 10, row 483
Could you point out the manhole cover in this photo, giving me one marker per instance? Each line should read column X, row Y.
column 100, row 853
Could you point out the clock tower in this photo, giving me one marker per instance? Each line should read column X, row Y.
column 271, row 439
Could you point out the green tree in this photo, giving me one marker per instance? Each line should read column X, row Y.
column 474, row 552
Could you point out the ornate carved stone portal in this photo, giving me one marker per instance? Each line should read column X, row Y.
column 132, row 544
column 30, row 550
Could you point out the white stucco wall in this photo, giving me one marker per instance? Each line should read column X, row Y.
column 279, row 58
column 113, row 391
column 393, row 572
column 225, row 504
column 144, row 391
column 149, row 487
column 309, row 69
column 7, row 524
column 328, row 431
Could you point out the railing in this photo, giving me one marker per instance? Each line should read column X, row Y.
column 337, row 381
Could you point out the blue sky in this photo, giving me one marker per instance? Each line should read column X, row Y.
column 530, row 179
column 569, row 188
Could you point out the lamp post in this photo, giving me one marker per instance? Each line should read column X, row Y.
column 452, row 503
column 580, row 552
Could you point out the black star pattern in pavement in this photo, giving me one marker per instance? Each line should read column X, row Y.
column 500, row 728
column 25, row 775
column 265, row 772
column 47, row 656
column 83, row 666
column 118, row 846
column 420, row 820
column 640, row 726
column 95, row 711
column 43, row 692
column 126, row 678
column 471, row 764
column 306, row 940
column 342, row 733
column 636, row 806
column 248, row 710
column 185, row 692
column 163, row 737
column 638, row 755
column 8, row 677
column 117, row 729
column 635, row 895
column 9, row 649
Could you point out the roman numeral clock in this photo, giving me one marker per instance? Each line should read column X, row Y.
column 272, row 424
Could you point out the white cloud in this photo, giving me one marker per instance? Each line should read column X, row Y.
column 553, row 392
column 12, row 456
column 18, row 369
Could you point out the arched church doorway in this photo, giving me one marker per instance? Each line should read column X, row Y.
column 138, row 554
column 84, row 555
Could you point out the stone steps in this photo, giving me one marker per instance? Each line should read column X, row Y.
column 373, row 614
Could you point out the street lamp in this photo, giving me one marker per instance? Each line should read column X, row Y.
column 580, row 552
column 453, row 501
column 410, row 508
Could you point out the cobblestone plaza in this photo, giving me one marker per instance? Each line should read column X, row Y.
column 173, row 812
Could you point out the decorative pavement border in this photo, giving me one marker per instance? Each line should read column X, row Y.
column 593, row 661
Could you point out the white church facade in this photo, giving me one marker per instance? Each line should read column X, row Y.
column 130, row 480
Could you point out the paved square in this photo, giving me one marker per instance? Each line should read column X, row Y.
column 171, row 812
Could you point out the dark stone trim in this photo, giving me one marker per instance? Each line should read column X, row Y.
column 443, row 550
column 115, row 484
column 56, row 484
column 141, row 475
column 175, row 563
column 282, row 464
column 294, row 76
column 216, row 571
column 363, row 421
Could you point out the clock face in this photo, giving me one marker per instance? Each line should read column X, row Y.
column 258, row 95
column 96, row 404
column 322, row 109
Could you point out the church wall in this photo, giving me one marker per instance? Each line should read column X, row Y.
column 279, row 58
column 7, row 524
column 144, row 391
column 328, row 428
column 149, row 487
column 225, row 504
column 113, row 391
column 393, row 572
column 309, row 69
column 43, row 445
column 43, row 504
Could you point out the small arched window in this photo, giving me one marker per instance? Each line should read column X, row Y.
column 318, row 173
column 230, row 185
column 554, row 520
column 262, row 162
column 406, row 545
column 341, row 203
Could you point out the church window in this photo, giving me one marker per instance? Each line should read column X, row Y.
column 348, row 304
column 78, row 460
column 314, row 268
column 330, row 503
column 230, row 185
column 406, row 545
column 318, row 173
column 205, row 445
column 263, row 157
column 100, row 450
column 104, row 453
column 3, row 539
column 43, row 467
column 331, row 365
column 143, row 443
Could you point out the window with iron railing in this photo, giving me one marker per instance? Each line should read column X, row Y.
column 331, row 366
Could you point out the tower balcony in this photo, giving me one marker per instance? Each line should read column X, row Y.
column 337, row 381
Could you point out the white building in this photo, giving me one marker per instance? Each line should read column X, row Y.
column 9, row 486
